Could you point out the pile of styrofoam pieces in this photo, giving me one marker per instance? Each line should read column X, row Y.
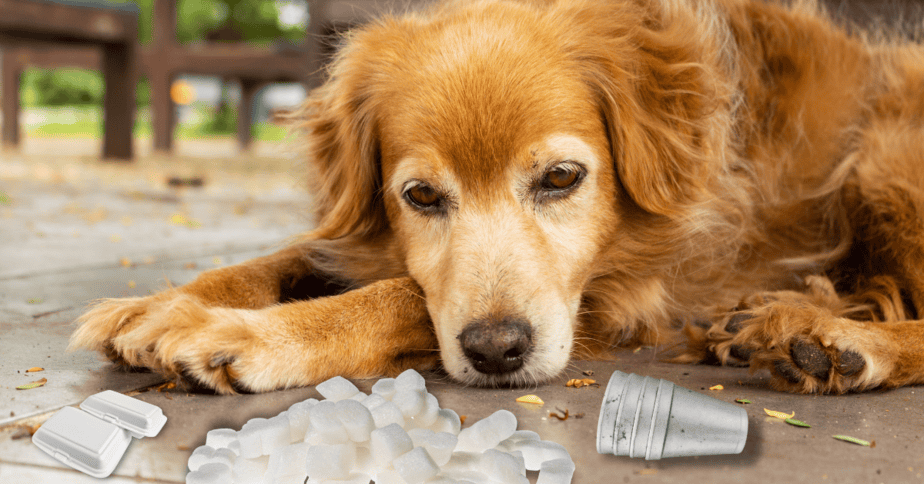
column 396, row 435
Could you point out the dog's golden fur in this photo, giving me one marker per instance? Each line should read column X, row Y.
column 747, row 177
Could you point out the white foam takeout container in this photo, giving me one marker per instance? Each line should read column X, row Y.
column 140, row 418
column 94, row 438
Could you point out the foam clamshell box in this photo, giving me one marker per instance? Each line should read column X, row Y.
column 93, row 438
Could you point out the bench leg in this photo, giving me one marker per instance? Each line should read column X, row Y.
column 162, row 109
column 12, row 74
column 249, row 89
column 118, row 101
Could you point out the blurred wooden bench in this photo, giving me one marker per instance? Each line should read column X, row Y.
column 111, row 27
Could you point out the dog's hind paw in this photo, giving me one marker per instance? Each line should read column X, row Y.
column 807, row 349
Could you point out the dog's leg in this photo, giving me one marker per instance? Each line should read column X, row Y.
column 232, row 329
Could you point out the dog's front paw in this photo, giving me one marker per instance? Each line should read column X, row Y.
column 807, row 349
column 176, row 336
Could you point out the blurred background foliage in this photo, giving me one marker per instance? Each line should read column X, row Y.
column 257, row 22
column 254, row 21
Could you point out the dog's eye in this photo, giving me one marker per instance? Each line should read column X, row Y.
column 559, row 178
column 423, row 196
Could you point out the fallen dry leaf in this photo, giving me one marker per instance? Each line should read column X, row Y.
column 530, row 399
column 462, row 419
column 853, row 440
column 779, row 415
column 35, row 368
column 166, row 386
column 35, row 384
column 716, row 387
column 559, row 417
column 581, row 382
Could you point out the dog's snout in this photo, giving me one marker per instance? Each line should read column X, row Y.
column 497, row 346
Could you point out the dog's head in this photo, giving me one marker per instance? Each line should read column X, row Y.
column 497, row 153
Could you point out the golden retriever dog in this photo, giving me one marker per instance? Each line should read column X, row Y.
column 502, row 186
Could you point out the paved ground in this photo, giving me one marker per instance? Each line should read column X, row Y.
column 75, row 229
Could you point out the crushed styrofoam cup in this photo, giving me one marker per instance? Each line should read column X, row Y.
column 652, row 418
column 395, row 435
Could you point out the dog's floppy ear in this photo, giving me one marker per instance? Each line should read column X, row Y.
column 661, row 98
column 338, row 128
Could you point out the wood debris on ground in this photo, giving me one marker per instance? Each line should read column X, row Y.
column 581, row 382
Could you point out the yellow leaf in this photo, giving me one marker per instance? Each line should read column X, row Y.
column 717, row 387
column 35, row 384
column 780, row 415
column 530, row 399
column 35, row 368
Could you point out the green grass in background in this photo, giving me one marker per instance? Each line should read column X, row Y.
column 82, row 123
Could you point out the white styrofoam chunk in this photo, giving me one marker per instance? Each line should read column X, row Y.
column 386, row 414
column 438, row 445
column 524, row 435
column 337, row 388
column 442, row 480
column 426, row 417
column 410, row 380
column 521, row 461
column 220, row 438
column 535, row 452
column 299, row 418
column 411, row 402
column 415, row 466
column 199, row 457
column 447, row 420
column 488, row 432
column 441, row 446
column 251, row 438
column 387, row 443
column 364, row 462
column 250, row 471
column 289, row 460
column 356, row 419
column 359, row 397
column 385, row 388
column 388, row 476
column 330, row 461
column 502, row 467
column 471, row 476
column 373, row 400
column 325, row 426
column 463, row 462
column 213, row 473
column 276, row 433
column 556, row 471
column 419, row 436
column 235, row 446
column 353, row 478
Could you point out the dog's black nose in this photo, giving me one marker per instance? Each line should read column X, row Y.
column 497, row 346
